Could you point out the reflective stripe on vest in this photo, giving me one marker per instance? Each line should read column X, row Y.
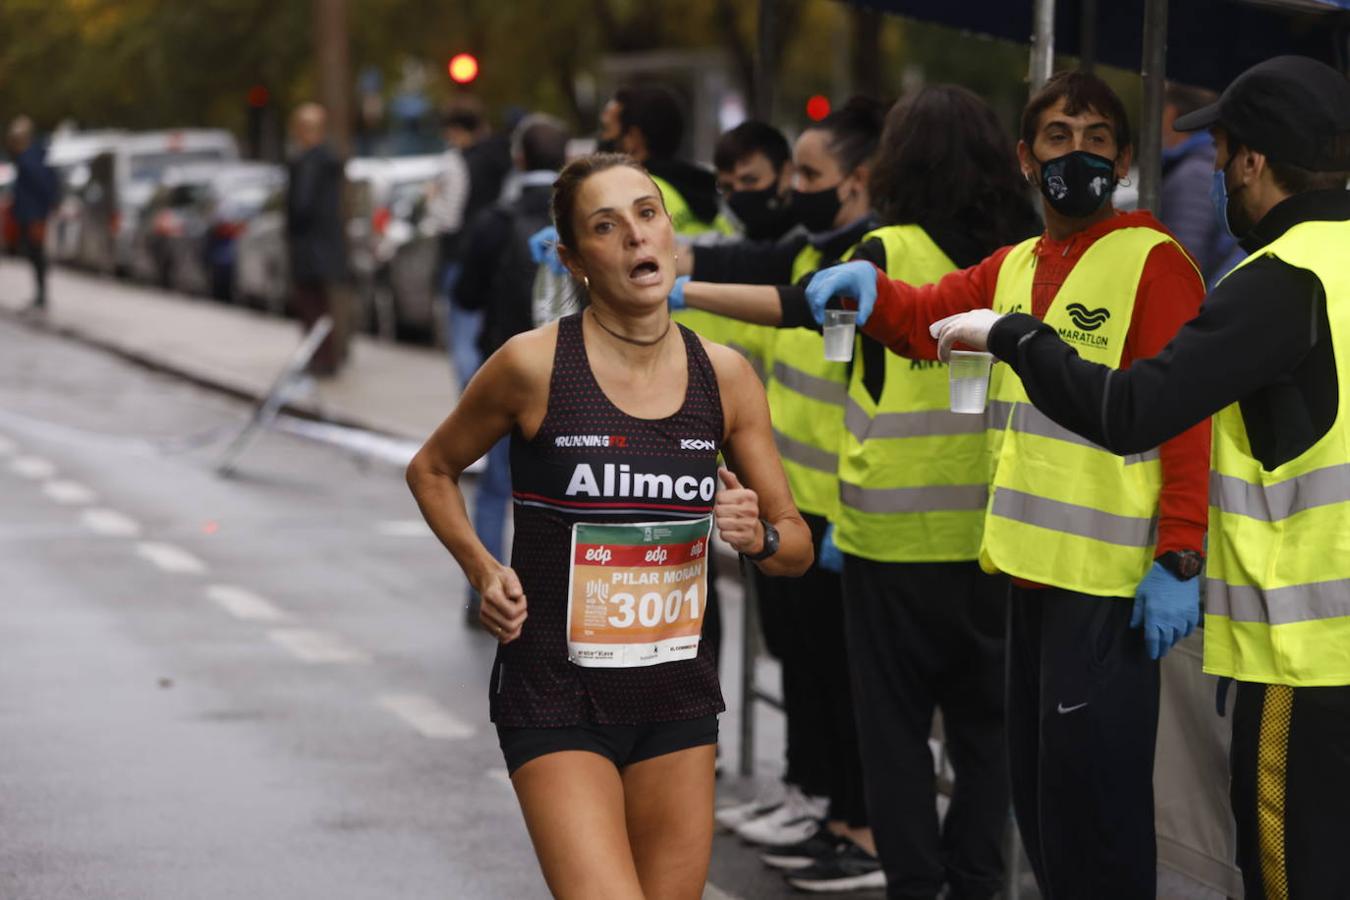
column 806, row 404
column 1065, row 512
column 1278, row 599
column 913, row 476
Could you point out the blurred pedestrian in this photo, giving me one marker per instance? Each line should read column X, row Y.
column 315, row 238
column 461, row 194
column 35, row 193
column 497, row 279
column 1187, row 173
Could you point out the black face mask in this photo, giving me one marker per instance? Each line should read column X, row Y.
column 816, row 210
column 764, row 214
column 1077, row 184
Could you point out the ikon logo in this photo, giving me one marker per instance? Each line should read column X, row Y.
column 691, row 444
column 1087, row 319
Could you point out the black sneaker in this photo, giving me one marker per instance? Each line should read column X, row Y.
column 850, row 869
column 824, row 844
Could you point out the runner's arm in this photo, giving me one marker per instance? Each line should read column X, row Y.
column 751, row 455
column 495, row 400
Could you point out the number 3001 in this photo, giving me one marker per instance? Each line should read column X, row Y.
column 651, row 608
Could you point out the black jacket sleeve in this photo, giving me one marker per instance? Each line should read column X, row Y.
column 797, row 312
column 1253, row 329
column 747, row 262
column 484, row 239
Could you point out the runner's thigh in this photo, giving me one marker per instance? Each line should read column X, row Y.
column 574, row 810
column 669, row 801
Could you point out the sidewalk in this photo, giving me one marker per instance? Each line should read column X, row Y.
column 393, row 389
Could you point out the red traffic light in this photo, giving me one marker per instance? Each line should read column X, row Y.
column 258, row 96
column 463, row 68
column 818, row 107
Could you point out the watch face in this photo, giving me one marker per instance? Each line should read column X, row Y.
column 1190, row 565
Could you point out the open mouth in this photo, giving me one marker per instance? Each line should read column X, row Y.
column 645, row 272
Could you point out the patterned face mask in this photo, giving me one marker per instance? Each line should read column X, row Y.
column 1078, row 183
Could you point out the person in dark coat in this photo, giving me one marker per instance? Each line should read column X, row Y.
column 498, row 278
column 35, row 194
column 314, row 232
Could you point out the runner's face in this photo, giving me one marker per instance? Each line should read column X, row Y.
column 625, row 241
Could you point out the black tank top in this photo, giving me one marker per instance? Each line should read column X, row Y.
column 582, row 466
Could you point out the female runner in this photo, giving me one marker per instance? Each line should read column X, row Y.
column 604, row 698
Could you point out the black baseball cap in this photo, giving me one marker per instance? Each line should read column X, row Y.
column 1293, row 109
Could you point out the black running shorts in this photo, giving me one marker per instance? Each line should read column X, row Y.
column 622, row 745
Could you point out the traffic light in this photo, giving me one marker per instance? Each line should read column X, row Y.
column 463, row 68
column 817, row 107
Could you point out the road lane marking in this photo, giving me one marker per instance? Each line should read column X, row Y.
column 244, row 604
column 110, row 522
column 428, row 717
column 713, row 892
column 70, row 493
column 7, row 446
column 403, row 528
column 316, row 646
column 33, row 467
column 500, row 775
column 170, row 558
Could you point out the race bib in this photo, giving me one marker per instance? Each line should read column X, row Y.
column 636, row 592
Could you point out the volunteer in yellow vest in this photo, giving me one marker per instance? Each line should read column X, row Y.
column 832, row 162
column 1269, row 355
column 1077, row 527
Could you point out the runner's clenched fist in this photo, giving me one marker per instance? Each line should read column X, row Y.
column 737, row 514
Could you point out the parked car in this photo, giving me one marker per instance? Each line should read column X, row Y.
column 261, row 270
column 122, row 180
column 69, row 155
column 163, row 224
column 204, row 256
column 393, row 254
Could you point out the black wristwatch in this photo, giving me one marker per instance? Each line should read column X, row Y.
column 1184, row 564
column 770, row 543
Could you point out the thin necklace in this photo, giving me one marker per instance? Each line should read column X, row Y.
column 653, row 342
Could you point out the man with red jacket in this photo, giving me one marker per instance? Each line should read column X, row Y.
column 1096, row 544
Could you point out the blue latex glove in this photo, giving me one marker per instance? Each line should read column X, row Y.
column 855, row 280
column 676, row 298
column 1167, row 608
column 830, row 558
column 544, row 250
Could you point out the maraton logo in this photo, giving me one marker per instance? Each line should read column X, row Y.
column 1087, row 319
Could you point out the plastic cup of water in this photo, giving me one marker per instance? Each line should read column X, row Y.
column 968, row 375
column 839, row 328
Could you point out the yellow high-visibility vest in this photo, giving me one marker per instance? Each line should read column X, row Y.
column 1277, row 605
column 1063, row 511
column 913, row 476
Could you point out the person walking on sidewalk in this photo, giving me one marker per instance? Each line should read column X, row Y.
column 1269, row 358
column 34, row 196
column 315, row 237
column 497, row 279
column 1096, row 544
column 604, row 697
